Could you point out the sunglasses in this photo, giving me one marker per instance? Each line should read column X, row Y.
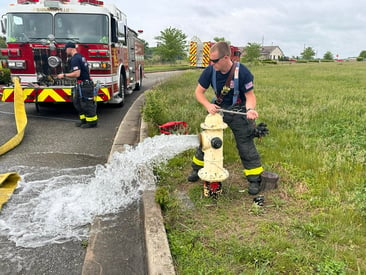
column 216, row 60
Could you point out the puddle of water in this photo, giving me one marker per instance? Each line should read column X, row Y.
column 59, row 208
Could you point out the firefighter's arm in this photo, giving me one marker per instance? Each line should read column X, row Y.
column 74, row 74
column 250, row 105
column 201, row 98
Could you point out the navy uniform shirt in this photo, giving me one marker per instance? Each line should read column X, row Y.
column 78, row 62
column 245, row 84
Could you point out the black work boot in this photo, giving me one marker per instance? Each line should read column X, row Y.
column 254, row 184
column 79, row 123
column 89, row 125
column 254, row 188
column 193, row 177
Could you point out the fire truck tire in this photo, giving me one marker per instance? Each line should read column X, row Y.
column 122, row 90
column 139, row 83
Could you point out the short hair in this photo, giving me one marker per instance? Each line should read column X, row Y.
column 222, row 47
column 70, row 45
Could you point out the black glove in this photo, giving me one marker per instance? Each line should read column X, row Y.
column 260, row 130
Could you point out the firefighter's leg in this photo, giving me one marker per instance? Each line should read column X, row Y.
column 242, row 130
column 197, row 164
column 89, row 107
column 91, row 118
column 76, row 100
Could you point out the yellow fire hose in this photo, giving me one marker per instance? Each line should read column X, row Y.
column 8, row 181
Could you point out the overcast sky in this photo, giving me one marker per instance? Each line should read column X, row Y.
column 337, row 26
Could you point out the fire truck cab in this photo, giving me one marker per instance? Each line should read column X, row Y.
column 36, row 33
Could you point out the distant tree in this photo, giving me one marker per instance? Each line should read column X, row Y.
column 5, row 77
column 2, row 42
column 328, row 56
column 308, row 53
column 147, row 49
column 217, row 39
column 171, row 44
column 363, row 54
column 252, row 52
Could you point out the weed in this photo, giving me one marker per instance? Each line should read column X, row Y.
column 277, row 202
column 256, row 209
column 165, row 199
column 360, row 200
column 84, row 243
column 257, row 256
column 331, row 267
column 153, row 110
column 309, row 229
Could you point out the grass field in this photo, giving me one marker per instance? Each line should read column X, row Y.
column 165, row 67
column 315, row 221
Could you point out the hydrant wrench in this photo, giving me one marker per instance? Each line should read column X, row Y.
column 231, row 112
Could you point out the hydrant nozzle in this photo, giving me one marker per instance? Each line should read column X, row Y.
column 216, row 142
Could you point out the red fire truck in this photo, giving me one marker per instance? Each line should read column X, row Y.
column 199, row 53
column 36, row 33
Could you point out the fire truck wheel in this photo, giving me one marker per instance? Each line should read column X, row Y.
column 122, row 90
column 139, row 83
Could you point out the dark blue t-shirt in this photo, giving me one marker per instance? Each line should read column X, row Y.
column 245, row 84
column 78, row 62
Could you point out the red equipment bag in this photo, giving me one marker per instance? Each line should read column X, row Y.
column 174, row 127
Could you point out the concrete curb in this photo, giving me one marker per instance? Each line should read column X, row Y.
column 159, row 259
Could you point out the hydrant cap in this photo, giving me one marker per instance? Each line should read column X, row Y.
column 213, row 122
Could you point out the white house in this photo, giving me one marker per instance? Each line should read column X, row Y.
column 271, row 52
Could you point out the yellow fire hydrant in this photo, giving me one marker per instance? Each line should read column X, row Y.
column 211, row 141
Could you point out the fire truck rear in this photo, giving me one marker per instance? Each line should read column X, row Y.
column 199, row 53
column 36, row 33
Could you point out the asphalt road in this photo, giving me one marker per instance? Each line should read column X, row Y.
column 52, row 145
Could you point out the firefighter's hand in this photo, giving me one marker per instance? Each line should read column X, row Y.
column 252, row 114
column 212, row 108
column 60, row 76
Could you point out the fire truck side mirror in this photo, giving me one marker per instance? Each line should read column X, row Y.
column 3, row 24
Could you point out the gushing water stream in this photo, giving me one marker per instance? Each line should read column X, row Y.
column 59, row 208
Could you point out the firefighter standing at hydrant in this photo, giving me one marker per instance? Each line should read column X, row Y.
column 233, row 86
column 83, row 93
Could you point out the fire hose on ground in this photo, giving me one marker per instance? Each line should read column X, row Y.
column 9, row 181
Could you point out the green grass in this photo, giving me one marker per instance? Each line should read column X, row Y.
column 152, row 68
column 315, row 222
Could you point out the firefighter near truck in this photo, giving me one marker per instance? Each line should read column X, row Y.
column 36, row 33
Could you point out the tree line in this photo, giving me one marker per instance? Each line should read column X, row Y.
column 172, row 45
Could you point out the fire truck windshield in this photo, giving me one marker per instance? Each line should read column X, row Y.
column 26, row 27
column 79, row 28
column 82, row 28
